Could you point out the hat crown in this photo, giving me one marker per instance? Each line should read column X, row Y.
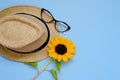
column 17, row 31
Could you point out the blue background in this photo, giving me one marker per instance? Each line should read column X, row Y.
column 95, row 30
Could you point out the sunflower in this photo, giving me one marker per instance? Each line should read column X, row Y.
column 61, row 49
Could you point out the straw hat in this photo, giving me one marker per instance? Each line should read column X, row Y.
column 24, row 37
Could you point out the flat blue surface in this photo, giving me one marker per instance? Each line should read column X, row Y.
column 95, row 30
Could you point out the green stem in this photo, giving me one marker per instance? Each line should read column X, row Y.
column 44, row 67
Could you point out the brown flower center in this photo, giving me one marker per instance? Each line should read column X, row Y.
column 60, row 49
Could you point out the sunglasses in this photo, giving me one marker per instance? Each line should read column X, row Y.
column 60, row 26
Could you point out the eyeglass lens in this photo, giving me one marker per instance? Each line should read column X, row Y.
column 46, row 16
column 62, row 26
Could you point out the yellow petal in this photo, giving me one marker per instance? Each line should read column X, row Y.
column 70, row 56
column 65, row 59
column 59, row 58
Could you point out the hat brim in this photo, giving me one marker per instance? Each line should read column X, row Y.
column 28, row 57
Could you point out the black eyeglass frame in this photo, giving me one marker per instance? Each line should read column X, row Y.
column 56, row 21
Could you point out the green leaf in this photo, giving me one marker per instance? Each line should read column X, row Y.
column 54, row 74
column 58, row 65
column 32, row 64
